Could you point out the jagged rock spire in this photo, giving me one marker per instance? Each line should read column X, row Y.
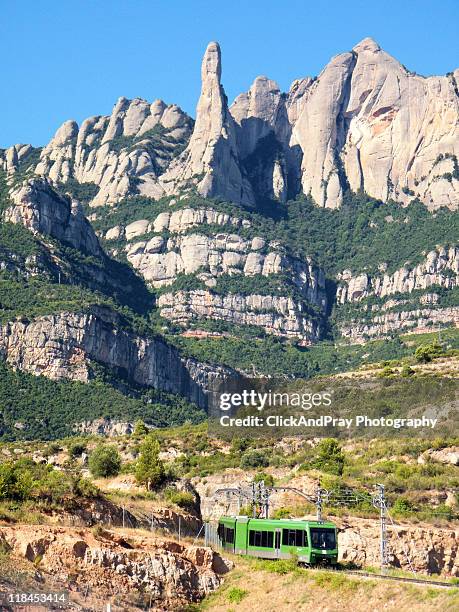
column 212, row 153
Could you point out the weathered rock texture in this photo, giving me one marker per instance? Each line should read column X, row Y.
column 171, row 574
column 407, row 298
column 42, row 210
column 365, row 123
column 440, row 268
column 122, row 154
column 211, row 160
column 276, row 315
column 410, row 320
column 62, row 345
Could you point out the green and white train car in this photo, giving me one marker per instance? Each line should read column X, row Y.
column 312, row 542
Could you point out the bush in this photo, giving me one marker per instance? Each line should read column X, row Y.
column 266, row 478
column 104, row 461
column 402, row 507
column 426, row 352
column 406, row 371
column 329, row 457
column 236, row 595
column 183, row 499
column 253, row 459
column 140, row 429
column 76, row 449
column 149, row 468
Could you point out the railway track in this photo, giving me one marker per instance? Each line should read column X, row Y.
column 422, row 581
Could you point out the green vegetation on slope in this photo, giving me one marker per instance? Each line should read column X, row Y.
column 48, row 409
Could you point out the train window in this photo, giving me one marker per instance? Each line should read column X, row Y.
column 294, row 537
column 229, row 535
column 323, row 538
column 261, row 539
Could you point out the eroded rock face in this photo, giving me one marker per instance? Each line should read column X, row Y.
column 365, row 123
column 61, row 346
column 440, row 268
column 276, row 315
column 211, row 161
column 407, row 321
column 41, row 209
column 122, row 154
column 430, row 550
column 173, row 575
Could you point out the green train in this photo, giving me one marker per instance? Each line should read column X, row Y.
column 312, row 542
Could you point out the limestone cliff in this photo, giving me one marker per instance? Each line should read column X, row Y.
column 42, row 210
column 62, row 346
column 440, row 268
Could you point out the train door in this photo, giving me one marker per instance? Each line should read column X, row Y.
column 277, row 543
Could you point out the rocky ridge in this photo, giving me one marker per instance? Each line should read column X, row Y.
column 439, row 269
column 62, row 346
column 41, row 209
column 364, row 123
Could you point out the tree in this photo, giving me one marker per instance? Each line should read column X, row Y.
column 149, row 468
column 140, row 429
column 427, row 352
column 104, row 461
column 329, row 458
column 266, row 478
column 254, row 458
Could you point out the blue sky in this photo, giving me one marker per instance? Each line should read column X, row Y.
column 68, row 59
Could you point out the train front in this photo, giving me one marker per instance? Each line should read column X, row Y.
column 323, row 543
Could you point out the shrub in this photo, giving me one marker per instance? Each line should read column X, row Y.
column 140, row 429
column 402, row 507
column 266, row 478
column 149, row 468
column 427, row 352
column 406, row 371
column 104, row 461
column 329, row 457
column 253, row 459
column 282, row 513
column 76, row 449
column 183, row 499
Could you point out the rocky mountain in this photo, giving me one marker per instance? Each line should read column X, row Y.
column 364, row 123
column 138, row 240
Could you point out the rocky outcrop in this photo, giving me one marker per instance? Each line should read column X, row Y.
column 448, row 455
column 211, row 161
column 161, row 260
column 440, row 268
column 365, row 123
column 411, row 320
column 122, row 154
column 177, row 221
column 173, row 575
column 41, row 209
column 427, row 550
column 62, row 346
column 276, row 315
column 369, row 123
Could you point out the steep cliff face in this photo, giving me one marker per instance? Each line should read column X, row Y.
column 40, row 209
column 407, row 300
column 276, row 315
column 440, row 268
column 211, row 162
column 365, row 123
column 62, row 346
